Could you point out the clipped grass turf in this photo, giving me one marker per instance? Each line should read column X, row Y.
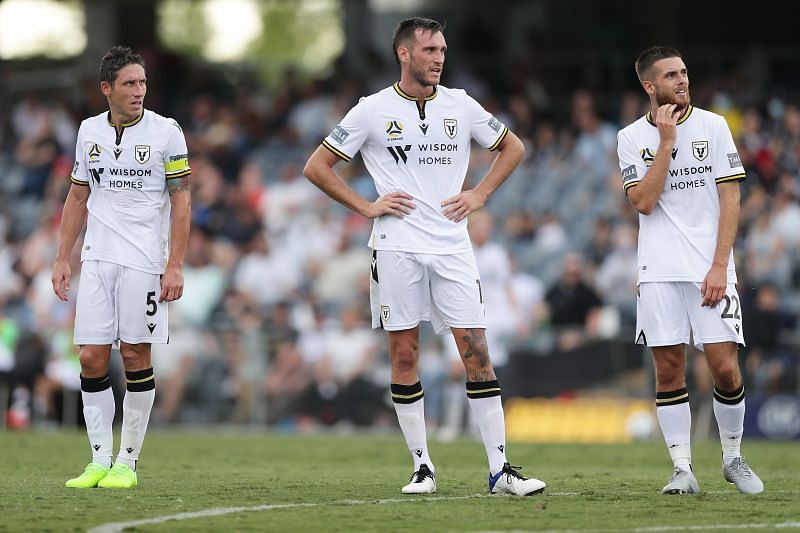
column 329, row 483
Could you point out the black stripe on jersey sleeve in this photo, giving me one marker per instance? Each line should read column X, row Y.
column 630, row 184
column 76, row 181
column 179, row 174
column 499, row 140
column 735, row 177
column 339, row 153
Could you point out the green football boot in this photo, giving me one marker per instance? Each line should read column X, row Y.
column 119, row 477
column 90, row 478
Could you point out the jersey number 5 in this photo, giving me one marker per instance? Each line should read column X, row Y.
column 152, row 307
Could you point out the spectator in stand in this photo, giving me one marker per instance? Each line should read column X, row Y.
column 573, row 305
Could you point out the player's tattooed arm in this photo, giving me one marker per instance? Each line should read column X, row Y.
column 176, row 185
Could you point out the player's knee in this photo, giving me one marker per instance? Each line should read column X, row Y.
column 93, row 362
column 135, row 357
column 728, row 378
column 404, row 358
column 669, row 376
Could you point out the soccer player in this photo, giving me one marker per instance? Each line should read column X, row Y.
column 681, row 172
column 131, row 175
column 414, row 137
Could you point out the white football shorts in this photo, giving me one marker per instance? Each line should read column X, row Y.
column 119, row 303
column 406, row 288
column 667, row 312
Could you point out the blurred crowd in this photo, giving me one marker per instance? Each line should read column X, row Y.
column 273, row 326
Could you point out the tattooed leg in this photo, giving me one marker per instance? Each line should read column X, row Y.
column 474, row 352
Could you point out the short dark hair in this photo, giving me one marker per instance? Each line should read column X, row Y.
column 405, row 30
column 115, row 59
column 646, row 59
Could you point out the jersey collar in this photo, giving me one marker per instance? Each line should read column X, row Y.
column 125, row 124
column 681, row 120
column 407, row 96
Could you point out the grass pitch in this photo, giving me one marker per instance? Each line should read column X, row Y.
column 213, row 481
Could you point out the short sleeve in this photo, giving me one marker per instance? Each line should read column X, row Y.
column 350, row 134
column 484, row 127
column 630, row 162
column 727, row 166
column 176, row 155
column 79, row 175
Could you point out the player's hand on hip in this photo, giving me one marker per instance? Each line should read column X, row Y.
column 458, row 207
column 667, row 121
column 398, row 204
column 713, row 288
column 61, row 277
column 171, row 285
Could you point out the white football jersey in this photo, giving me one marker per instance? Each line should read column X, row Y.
column 129, row 207
column 424, row 153
column 678, row 239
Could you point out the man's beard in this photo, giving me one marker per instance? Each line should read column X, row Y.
column 423, row 77
column 663, row 98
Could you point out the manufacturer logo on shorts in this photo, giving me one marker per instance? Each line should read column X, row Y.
column 385, row 312
column 151, row 327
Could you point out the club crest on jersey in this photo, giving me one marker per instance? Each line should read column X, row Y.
column 394, row 130
column 700, row 149
column 451, row 127
column 142, row 153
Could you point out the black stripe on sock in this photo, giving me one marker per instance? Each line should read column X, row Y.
column 730, row 398
column 407, row 393
column 483, row 389
column 95, row 384
column 674, row 397
column 141, row 380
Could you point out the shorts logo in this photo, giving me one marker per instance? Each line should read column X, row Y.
column 385, row 312
column 339, row 134
column 494, row 124
column 700, row 149
column 734, row 160
column 451, row 127
column 142, row 153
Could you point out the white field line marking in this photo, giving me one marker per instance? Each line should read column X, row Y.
column 115, row 527
column 220, row 511
column 656, row 529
